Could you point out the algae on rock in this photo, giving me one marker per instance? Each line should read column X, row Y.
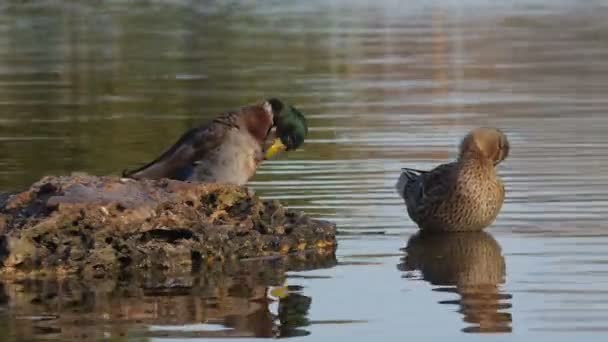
column 95, row 226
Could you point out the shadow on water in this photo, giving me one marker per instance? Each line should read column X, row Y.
column 470, row 265
column 248, row 299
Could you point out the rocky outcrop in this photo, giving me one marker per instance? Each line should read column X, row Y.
column 98, row 226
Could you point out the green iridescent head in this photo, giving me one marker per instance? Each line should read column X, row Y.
column 291, row 124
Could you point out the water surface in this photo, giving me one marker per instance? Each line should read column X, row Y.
column 102, row 86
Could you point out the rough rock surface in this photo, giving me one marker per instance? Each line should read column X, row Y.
column 96, row 226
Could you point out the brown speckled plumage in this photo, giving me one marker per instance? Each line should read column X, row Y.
column 465, row 195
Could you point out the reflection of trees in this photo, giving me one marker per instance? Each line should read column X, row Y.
column 235, row 297
column 468, row 264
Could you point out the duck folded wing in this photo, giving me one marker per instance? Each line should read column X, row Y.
column 430, row 187
column 178, row 161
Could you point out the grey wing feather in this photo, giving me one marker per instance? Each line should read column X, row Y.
column 407, row 178
column 424, row 188
column 191, row 146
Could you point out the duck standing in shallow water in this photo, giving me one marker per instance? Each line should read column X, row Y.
column 231, row 147
column 465, row 195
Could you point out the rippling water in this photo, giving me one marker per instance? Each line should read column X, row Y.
column 86, row 86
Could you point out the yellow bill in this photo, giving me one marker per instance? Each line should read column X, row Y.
column 276, row 147
column 279, row 292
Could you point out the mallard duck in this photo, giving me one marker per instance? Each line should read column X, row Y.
column 465, row 195
column 231, row 147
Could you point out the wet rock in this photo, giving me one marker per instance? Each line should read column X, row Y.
column 96, row 226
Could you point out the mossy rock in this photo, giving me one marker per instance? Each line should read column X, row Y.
column 96, row 226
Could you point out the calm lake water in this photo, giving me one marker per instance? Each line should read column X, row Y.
column 99, row 86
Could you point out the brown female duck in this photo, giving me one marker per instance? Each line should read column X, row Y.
column 465, row 195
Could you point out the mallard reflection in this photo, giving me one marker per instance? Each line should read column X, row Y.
column 282, row 312
column 469, row 264
column 248, row 299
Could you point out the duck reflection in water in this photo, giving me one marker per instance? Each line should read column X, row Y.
column 283, row 312
column 470, row 265
column 250, row 299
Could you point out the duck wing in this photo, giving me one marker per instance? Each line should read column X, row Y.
column 179, row 160
column 423, row 189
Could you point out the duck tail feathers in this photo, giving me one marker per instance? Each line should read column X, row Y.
column 407, row 175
